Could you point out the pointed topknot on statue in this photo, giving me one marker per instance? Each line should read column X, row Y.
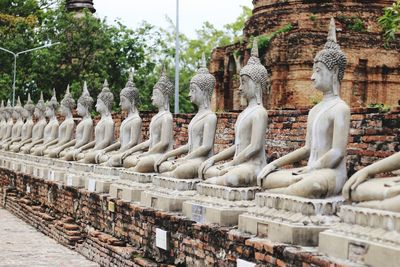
column 254, row 69
column 130, row 91
column 332, row 55
column 203, row 78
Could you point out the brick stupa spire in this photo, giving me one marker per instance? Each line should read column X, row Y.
column 78, row 5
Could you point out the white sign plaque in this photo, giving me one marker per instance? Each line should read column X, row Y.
column 92, row 185
column 161, row 239
column 69, row 180
column 243, row 263
column 28, row 189
column 51, row 175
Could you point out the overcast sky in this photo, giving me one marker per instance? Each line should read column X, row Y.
column 192, row 12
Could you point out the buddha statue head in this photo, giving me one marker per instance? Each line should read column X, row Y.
column 40, row 108
column 85, row 102
column 8, row 110
column 2, row 110
column 18, row 111
column 105, row 100
column 29, row 107
column 202, row 85
column 253, row 77
column 162, row 91
column 329, row 64
column 52, row 105
column 67, row 103
column 129, row 96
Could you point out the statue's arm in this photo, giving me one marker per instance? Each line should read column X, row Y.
column 68, row 134
column 208, row 138
column 136, row 132
column 165, row 140
column 87, row 134
column 66, row 145
column 142, row 146
column 388, row 164
column 87, row 146
column 177, row 152
column 109, row 133
column 224, row 154
column 340, row 139
column 258, row 129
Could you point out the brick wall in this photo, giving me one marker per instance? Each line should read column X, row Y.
column 125, row 236
column 373, row 135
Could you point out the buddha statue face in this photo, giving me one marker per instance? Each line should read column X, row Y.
column 322, row 77
column 49, row 112
column 15, row 114
column 25, row 114
column 248, row 88
column 101, row 106
column 125, row 103
column 64, row 110
column 157, row 98
column 196, row 94
column 81, row 110
column 38, row 113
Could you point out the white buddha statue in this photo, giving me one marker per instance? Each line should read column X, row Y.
column 26, row 131
column 84, row 129
column 50, row 130
column 131, row 127
column 37, row 129
column 104, row 130
column 326, row 139
column 248, row 153
column 16, row 129
column 201, row 131
column 161, row 132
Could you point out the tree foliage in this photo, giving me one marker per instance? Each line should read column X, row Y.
column 92, row 50
column 390, row 21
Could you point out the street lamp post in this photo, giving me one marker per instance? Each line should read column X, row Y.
column 177, row 60
column 15, row 62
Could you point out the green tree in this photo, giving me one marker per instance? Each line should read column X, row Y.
column 390, row 21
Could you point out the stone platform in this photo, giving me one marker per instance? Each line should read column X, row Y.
column 367, row 236
column 219, row 204
column 131, row 185
column 169, row 193
column 290, row 219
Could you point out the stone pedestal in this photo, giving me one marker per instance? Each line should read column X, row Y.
column 367, row 236
column 100, row 179
column 131, row 185
column 169, row 193
column 219, row 204
column 290, row 219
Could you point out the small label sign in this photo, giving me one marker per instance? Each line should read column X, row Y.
column 243, row 263
column 51, row 175
column 111, row 206
column 262, row 230
column 69, row 180
column 161, row 239
column 92, row 185
column 357, row 251
column 198, row 213
column 28, row 189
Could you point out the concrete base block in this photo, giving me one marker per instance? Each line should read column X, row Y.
column 366, row 236
column 290, row 219
column 98, row 185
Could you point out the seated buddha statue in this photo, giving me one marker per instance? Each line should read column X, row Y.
column 326, row 138
column 16, row 129
column 376, row 193
column 248, row 152
column 130, row 130
column 83, row 131
column 104, row 130
column 161, row 135
column 7, row 113
column 26, row 131
column 66, row 128
column 50, row 130
column 37, row 129
column 3, row 122
column 201, row 131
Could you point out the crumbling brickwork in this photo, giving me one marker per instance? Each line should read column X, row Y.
column 372, row 75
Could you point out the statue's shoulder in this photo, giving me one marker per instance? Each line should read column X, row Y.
column 342, row 107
